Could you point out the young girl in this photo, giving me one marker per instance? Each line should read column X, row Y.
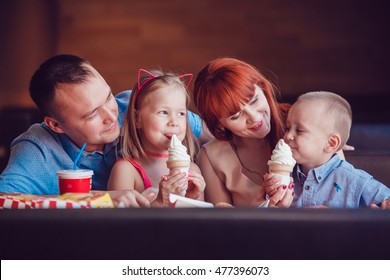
column 157, row 110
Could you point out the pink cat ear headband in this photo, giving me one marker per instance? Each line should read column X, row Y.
column 152, row 76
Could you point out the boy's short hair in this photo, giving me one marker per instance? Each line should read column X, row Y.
column 337, row 108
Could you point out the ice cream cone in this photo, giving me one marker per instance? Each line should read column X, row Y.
column 178, row 164
column 178, row 159
column 282, row 162
column 183, row 166
column 281, row 169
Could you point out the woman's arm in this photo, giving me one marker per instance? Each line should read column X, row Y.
column 215, row 190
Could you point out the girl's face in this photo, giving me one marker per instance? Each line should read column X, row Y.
column 163, row 114
column 253, row 120
column 307, row 133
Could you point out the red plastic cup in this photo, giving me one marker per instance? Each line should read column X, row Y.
column 75, row 181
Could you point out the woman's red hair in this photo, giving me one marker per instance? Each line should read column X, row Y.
column 226, row 83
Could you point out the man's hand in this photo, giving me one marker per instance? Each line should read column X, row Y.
column 130, row 198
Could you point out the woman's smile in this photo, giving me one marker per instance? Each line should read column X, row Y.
column 257, row 126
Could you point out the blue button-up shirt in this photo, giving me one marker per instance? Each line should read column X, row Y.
column 38, row 153
column 337, row 184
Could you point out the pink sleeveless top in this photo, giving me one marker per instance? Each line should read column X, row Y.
column 142, row 172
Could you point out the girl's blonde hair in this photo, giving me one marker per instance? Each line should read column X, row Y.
column 131, row 140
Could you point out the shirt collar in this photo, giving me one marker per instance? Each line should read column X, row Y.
column 72, row 150
column 321, row 172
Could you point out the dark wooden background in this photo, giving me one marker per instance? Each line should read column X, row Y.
column 341, row 46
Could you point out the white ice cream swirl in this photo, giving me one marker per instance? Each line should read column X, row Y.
column 282, row 154
column 176, row 150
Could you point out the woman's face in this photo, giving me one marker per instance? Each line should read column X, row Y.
column 253, row 119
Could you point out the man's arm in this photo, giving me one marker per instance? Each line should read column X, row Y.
column 27, row 171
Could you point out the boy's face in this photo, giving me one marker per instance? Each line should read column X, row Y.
column 308, row 130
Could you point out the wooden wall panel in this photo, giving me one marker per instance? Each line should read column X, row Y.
column 305, row 45
column 27, row 34
column 302, row 45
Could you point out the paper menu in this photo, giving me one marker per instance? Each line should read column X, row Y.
column 177, row 201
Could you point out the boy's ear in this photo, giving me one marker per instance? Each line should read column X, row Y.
column 53, row 124
column 334, row 142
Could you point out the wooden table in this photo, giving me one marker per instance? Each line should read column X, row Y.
column 239, row 233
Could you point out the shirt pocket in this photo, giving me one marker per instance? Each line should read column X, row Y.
column 334, row 203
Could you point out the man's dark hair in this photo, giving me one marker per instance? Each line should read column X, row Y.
column 59, row 69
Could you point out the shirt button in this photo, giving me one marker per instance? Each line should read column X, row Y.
column 319, row 177
column 307, row 188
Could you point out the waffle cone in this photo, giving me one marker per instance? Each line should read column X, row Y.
column 175, row 164
column 281, row 169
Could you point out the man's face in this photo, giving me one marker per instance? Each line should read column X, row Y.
column 87, row 113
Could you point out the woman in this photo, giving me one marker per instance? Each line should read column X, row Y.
column 239, row 106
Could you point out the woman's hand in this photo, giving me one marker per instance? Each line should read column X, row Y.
column 196, row 185
column 223, row 205
column 283, row 197
column 271, row 184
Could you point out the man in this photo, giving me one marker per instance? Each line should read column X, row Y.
column 78, row 107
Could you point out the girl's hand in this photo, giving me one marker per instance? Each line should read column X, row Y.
column 196, row 185
column 175, row 182
column 283, row 197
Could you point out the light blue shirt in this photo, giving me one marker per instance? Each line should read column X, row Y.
column 337, row 184
column 39, row 152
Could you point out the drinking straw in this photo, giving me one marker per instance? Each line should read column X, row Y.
column 78, row 156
